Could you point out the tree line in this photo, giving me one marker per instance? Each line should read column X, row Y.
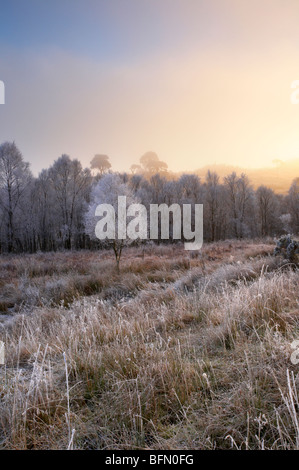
column 48, row 212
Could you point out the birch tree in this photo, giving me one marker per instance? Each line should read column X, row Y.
column 106, row 191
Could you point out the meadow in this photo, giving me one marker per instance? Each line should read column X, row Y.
column 177, row 351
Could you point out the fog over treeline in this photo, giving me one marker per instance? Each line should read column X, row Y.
column 47, row 212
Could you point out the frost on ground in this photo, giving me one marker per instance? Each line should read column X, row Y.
column 175, row 352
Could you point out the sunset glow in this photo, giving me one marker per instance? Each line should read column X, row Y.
column 198, row 82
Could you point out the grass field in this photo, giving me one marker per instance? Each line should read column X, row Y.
column 175, row 352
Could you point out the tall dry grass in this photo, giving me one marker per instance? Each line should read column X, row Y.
column 185, row 353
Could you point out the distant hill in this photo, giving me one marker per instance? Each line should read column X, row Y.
column 278, row 177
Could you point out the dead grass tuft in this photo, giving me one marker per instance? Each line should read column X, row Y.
column 175, row 352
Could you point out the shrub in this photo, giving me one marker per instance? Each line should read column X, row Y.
column 287, row 247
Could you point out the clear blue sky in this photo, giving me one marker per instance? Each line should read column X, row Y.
column 196, row 81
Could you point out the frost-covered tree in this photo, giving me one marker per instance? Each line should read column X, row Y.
column 266, row 209
column 71, row 184
column 239, row 204
column 214, row 209
column 46, row 220
column 189, row 188
column 15, row 177
column 293, row 200
column 107, row 191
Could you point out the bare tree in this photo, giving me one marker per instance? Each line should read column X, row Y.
column 15, row 177
column 293, row 200
column 267, row 207
column 189, row 188
column 71, row 183
column 239, row 195
column 46, row 218
column 213, row 206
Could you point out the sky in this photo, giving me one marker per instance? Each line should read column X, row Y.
column 197, row 81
